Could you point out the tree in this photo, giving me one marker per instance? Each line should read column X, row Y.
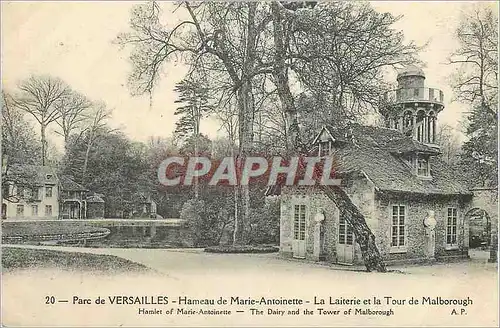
column 96, row 124
column 208, row 216
column 271, row 47
column 196, row 145
column 476, row 60
column 39, row 96
column 116, row 167
column 449, row 144
column 339, row 51
column 206, row 42
column 72, row 113
column 19, row 147
column 363, row 234
column 193, row 100
column 476, row 84
column 80, row 145
column 350, row 44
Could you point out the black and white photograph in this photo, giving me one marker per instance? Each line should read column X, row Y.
column 249, row 164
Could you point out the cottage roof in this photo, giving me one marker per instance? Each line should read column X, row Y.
column 95, row 199
column 376, row 151
column 32, row 174
column 68, row 184
column 409, row 145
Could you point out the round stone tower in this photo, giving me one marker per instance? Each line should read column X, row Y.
column 413, row 108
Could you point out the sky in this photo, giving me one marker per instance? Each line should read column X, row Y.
column 73, row 40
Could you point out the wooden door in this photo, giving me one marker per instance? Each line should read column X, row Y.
column 299, row 231
column 345, row 242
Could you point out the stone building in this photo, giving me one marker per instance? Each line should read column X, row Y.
column 411, row 200
column 95, row 206
column 72, row 201
column 33, row 192
column 30, row 192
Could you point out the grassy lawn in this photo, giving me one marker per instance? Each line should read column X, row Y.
column 14, row 258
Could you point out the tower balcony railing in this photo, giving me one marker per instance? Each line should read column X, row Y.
column 422, row 94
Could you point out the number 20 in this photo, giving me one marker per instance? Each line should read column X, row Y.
column 50, row 299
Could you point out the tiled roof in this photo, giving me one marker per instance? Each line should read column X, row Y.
column 68, row 184
column 389, row 173
column 95, row 199
column 408, row 145
column 42, row 175
column 374, row 152
column 377, row 137
column 32, row 174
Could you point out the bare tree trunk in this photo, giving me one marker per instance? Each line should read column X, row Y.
column 246, row 110
column 86, row 160
column 66, row 138
column 281, row 78
column 196, row 115
column 494, row 242
column 44, row 143
column 196, row 184
column 236, row 231
column 364, row 237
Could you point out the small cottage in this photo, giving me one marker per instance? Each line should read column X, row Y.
column 411, row 200
column 33, row 192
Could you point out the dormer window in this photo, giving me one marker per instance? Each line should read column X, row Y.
column 324, row 148
column 326, row 143
column 419, row 164
column 48, row 176
column 423, row 167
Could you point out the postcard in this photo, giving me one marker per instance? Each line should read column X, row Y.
column 249, row 164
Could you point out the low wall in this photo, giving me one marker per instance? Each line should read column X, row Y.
column 122, row 232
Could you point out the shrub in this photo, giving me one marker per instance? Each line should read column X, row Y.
column 265, row 224
column 241, row 249
column 202, row 222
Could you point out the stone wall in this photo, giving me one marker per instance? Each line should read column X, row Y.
column 314, row 200
column 144, row 235
column 361, row 192
column 376, row 208
column 417, row 209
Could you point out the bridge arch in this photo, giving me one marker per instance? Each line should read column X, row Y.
column 479, row 227
column 483, row 219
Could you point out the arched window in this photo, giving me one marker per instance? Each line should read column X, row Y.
column 408, row 122
column 396, row 122
column 431, row 127
column 420, row 124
